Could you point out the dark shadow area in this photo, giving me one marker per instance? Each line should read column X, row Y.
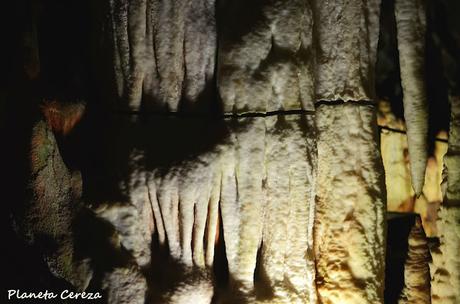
column 399, row 226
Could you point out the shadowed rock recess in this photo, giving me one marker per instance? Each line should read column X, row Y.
column 228, row 152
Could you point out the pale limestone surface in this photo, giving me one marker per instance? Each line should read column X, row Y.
column 411, row 29
column 350, row 206
column 164, row 52
column 452, row 158
column 346, row 35
column 266, row 60
column 273, row 56
column 416, row 270
column 257, row 182
column 172, row 184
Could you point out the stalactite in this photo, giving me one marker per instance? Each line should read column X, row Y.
column 411, row 28
column 350, row 206
column 267, row 221
column 445, row 269
column 163, row 53
column 285, row 176
column 416, row 270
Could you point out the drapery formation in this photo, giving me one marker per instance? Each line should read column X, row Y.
column 281, row 58
column 238, row 160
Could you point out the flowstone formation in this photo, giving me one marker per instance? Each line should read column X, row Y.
column 229, row 152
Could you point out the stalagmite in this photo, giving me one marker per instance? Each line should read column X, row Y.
column 350, row 206
column 416, row 270
column 411, row 27
column 445, row 269
column 163, row 53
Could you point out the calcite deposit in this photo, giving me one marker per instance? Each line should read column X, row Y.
column 163, row 53
column 229, row 152
column 350, row 206
column 411, row 29
column 346, row 36
column 241, row 184
column 54, row 204
column 416, row 270
column 445, row 269
column 266, row 56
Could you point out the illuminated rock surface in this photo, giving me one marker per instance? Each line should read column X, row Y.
column 266, row 60
column 350, row 206
column 228, row 152
column 411, row 29
column 416, row 270
column 164, row 53
column 346, row 50
column 400, row 194
column 445, row 269
column 257, row 183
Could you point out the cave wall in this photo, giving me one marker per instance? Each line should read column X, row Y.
column 222, row 152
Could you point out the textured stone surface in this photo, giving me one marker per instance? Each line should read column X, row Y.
column 274, row 56
column 350, row 206
column 416, row 270
column 452, row 158
column 287, row 258
column 48, row 218
column 411, row 30
column 256, row 181
column 266, row 60
column 124, row 286
column 346, row 35
column 445, row 269
column 164, row 53
column 400, row 194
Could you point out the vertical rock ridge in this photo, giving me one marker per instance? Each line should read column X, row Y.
column 350, row 206
column 411, row 28
column 285, row 261
column 445, row 269
column 163, row 53
column 346, row 35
